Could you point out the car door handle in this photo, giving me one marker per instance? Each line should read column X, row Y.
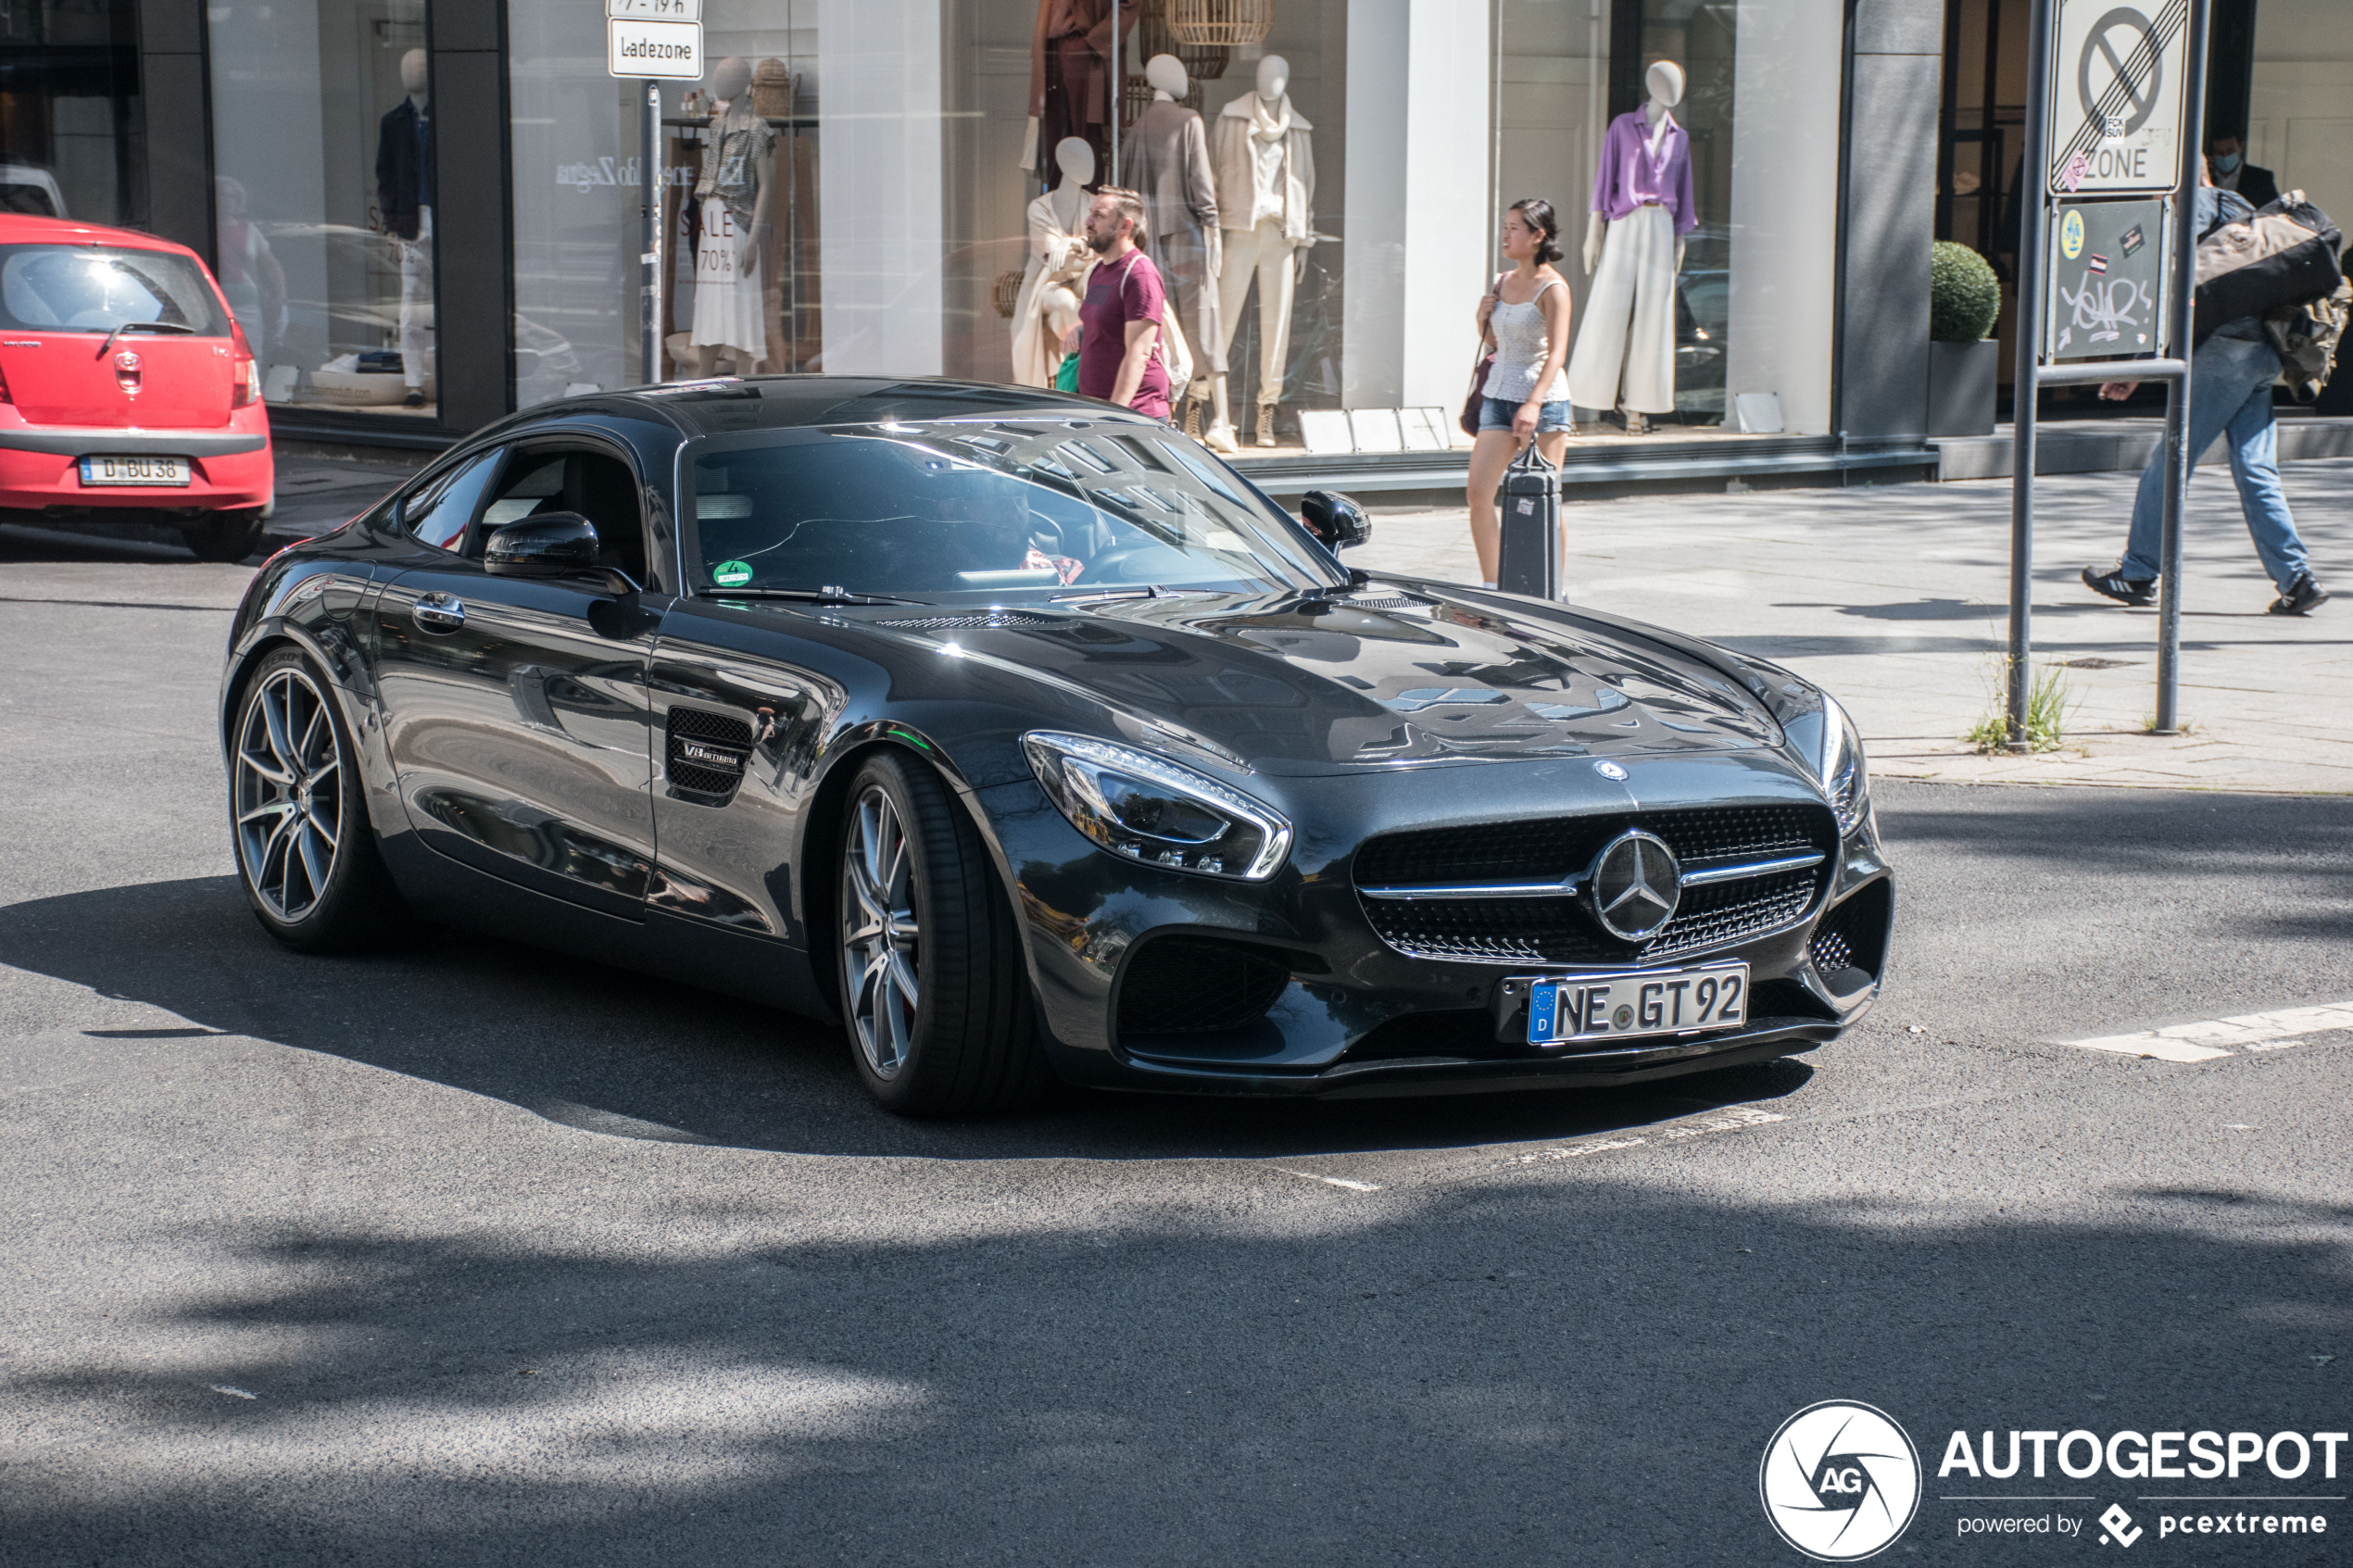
column 440, row 612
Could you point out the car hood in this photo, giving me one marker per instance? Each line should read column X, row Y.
column 1378, row 678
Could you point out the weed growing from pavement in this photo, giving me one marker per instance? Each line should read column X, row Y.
column 2048, row 703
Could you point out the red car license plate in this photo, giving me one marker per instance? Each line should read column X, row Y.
column 134, row 471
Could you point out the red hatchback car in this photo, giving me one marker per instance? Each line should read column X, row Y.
column 127, row 392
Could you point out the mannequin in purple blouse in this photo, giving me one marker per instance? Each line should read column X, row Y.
column 1642, row 207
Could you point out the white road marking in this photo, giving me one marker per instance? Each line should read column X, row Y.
column 1334, row 1180
column 233, row 1390
column 2226, row 1036
column 1723, row 1121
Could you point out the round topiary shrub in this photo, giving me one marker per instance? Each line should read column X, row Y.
column 1964, row 296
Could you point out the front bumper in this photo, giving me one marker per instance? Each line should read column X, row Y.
column 1353, row 1015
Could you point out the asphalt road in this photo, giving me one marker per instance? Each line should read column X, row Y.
column 484, row 1255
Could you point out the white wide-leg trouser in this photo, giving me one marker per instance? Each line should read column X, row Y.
column 1625, row 354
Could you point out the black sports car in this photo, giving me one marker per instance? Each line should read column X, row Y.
column 1029, row 740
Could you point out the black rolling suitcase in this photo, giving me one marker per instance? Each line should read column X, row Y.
column 1529, row 510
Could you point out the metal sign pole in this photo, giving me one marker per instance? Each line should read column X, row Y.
column 2026, row 378
column 649, row 180
column 2177, row 456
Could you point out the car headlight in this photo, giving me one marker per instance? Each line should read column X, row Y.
column 1844, row 775
column 1147, row 809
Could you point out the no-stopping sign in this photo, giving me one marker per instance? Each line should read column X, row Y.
column 2115, row 90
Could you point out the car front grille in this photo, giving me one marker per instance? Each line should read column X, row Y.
column 1555, row 929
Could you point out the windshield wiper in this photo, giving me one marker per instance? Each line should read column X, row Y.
column 803, row 595
column 142, row 327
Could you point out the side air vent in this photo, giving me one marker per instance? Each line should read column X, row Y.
column 1195, row 985
column 705, row 755
column 988, row 619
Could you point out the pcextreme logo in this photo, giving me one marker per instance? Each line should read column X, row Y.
column 1840, row 1481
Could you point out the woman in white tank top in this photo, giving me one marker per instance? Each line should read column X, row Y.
column 1526, row 320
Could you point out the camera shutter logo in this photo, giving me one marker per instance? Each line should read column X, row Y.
column 1840, row 1481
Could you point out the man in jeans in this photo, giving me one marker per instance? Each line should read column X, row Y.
column 2231, row 380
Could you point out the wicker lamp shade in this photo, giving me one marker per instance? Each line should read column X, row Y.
column 771, row 90
column 1220, row 22
column 1202, row 62
column 1005, row 293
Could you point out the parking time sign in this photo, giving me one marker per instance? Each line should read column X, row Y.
column 2115, row 96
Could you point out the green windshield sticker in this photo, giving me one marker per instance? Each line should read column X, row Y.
column 731, row 573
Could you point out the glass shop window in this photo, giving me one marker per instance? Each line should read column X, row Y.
column 71, row 136
column 323, row 149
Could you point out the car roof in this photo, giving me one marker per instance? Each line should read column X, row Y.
column 28, row 229
column 728, row 406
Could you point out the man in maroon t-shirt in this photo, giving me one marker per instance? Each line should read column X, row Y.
column 1118, row 331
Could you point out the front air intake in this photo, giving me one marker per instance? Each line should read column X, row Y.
column 1197, row 985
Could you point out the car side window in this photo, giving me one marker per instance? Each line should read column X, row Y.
column 437, row 514
column 590, row 481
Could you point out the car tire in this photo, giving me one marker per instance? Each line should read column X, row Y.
column 224, row 537
column 935, row 995
column 298, row 824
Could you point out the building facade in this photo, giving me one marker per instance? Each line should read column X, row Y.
column 427, row 213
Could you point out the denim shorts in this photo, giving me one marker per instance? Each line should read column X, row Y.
column 1495, row 413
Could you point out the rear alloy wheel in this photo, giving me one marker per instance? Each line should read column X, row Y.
column 224, row 537
column 935, row 996
column 304, row 849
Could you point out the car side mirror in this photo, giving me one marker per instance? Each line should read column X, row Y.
column 1334, row 519
column 550, row 544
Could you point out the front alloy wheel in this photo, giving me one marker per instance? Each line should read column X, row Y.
column 881, row 939
column 289, row 800
column 934, row 988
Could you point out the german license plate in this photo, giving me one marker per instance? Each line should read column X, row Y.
column 1582, row 1009
column 134, row 471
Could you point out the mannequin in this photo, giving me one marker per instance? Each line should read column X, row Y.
column 1642, row 207
column 1047, row 305
column 1264, row 164
column 735, row 190
column 1165, row 157
column 1073, row 90
column 404, row 195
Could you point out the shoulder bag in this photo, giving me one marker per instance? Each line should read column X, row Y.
column 1480, row 369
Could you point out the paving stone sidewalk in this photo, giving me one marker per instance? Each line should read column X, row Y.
column 1896, row 598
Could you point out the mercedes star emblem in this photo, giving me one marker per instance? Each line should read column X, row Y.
column 1610, row 771
column 1634, row 886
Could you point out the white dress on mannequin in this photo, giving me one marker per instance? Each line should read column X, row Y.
column 729, row 307
column 1048, row 301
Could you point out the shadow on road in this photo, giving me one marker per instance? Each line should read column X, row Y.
column 1479, row 1375
column 611, row 1051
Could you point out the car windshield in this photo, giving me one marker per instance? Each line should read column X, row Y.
column 957, row 506
column 97, row 289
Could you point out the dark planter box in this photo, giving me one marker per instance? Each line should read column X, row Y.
column 1960, row 387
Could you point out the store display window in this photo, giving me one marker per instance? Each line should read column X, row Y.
column 324, row 153
column 70, row 138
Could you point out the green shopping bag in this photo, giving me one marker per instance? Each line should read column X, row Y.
column 1066, row 373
